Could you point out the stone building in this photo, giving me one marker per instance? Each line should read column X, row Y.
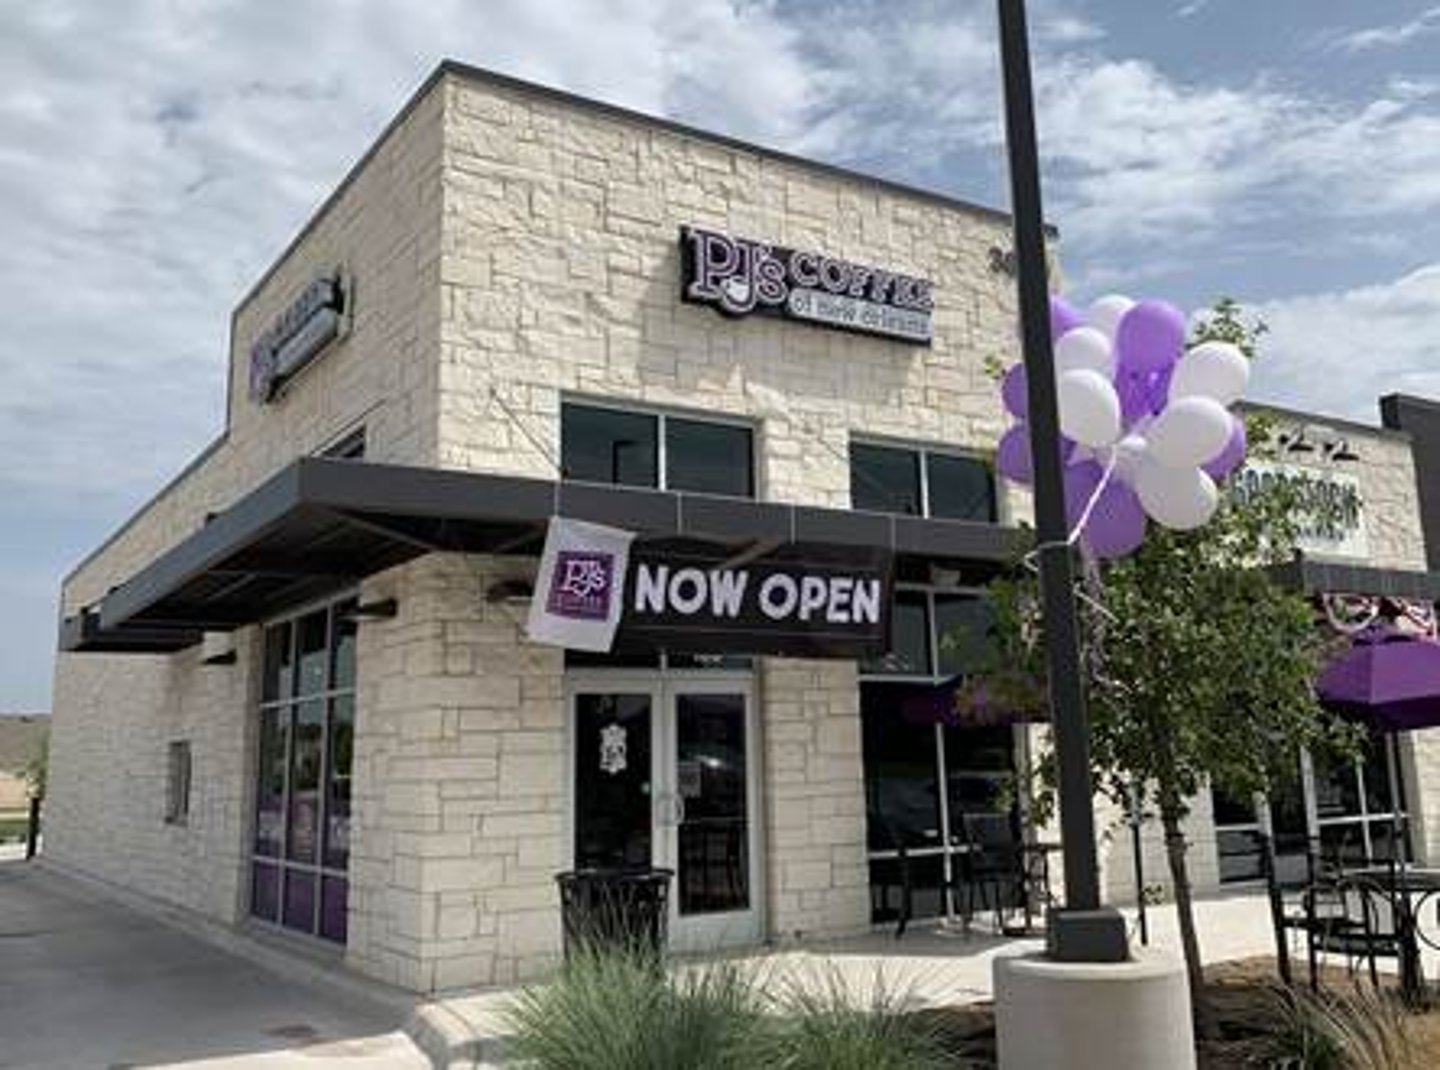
column 295, row 691
column 317, row 630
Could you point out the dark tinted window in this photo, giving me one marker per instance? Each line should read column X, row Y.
column 962, row 632
column 959, row 488
column 706, row 457
column 608, row 446
column 909, row 638
column 901, row 783
column 883, row 479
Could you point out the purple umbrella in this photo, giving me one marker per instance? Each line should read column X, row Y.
column 1387, row 679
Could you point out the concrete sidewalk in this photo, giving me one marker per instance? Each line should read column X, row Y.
column 86, row 982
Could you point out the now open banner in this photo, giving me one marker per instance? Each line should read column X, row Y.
column 799, row 599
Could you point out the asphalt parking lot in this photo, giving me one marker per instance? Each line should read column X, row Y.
column 86, row 982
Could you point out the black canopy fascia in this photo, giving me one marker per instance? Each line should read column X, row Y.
column 1311, row 576
column 322, row 523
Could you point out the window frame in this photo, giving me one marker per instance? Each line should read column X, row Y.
column 179, row 776
column 289, row 704
column 661, row 415
column 922, row 452
column 934, row 676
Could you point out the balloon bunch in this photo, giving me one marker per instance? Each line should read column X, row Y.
column 1146, row 426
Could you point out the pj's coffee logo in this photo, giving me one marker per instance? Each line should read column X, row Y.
column 738, row 276
column 582, row 584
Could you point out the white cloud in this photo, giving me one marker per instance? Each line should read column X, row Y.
column 1392, row 35
column 1337, row 352
column 154, row 157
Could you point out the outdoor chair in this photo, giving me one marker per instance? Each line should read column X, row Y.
column 880, row 890
column 992, row 866
column 1332, row 913
column 1364, row 929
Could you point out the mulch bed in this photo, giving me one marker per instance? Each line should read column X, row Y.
column 1238, row 992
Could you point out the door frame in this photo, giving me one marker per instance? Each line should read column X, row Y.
column 702, row 932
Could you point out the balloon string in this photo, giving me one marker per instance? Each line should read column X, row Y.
column 1031, row 558
column 1094, row 497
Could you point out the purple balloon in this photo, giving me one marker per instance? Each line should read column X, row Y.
column 1135, row 397
column 1081, row 479
column 1015, row 392
column 1232, row 456
column 1150, row 337
column 1063, row 316
column 1012, row 456
column 1117, row 523
column 1160, row 388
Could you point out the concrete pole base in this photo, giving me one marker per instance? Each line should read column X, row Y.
column 1079, row 1015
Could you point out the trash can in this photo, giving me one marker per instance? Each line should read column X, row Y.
column 614, row 908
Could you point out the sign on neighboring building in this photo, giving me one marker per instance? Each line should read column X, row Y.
column 310, row 323
column 1335, row 525
column 738, row 277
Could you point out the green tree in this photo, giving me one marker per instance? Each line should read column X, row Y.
column 1199, row 664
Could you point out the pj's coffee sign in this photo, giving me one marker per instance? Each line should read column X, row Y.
column 298, row 335
column 738, row 277
column 807, row 601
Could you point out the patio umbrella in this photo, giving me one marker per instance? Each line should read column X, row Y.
column 1387, row 679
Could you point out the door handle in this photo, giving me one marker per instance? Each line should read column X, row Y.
column 670, row 807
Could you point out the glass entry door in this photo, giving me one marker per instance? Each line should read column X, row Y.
column 664, row 774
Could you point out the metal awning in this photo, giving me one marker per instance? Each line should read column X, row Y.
column 320, row 524
column 1312, row 576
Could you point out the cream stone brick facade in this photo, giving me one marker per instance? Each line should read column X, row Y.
column 509, row 249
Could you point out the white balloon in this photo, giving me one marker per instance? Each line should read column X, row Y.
column 1130, row 453
column 1084, row 347
column 1214, row 370
column 1189, row 431
column 1105, row 313
column 1089, row 408
column 1178, row 498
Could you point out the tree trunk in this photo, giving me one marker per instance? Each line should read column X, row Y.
column 1175, row 846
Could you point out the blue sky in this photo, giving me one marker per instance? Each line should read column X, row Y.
column 154, row 157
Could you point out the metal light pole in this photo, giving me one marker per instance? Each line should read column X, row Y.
column 1081, row 931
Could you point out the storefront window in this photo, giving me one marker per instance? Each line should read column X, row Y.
column 920, row 482
column 604, row 445
column 959, row 488
column 303, row 773
column 609, row 446
column 909, row 653
column 1343, row 810
column 885, row 480
column 709, row 458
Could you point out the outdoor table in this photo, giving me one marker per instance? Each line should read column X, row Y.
column 1408, row 888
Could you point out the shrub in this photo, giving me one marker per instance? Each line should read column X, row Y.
column 619, row 1010
column 1355, row 1029
column 825, row 1025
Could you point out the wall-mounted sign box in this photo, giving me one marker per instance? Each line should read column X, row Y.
column 299, row 334
column 738, row 277
column 815, row 601
column 1334, row 525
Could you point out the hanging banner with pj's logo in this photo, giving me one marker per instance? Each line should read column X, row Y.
column 578, row 589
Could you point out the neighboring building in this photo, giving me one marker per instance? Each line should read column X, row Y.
column 1370, row 559
column 22, row 739
column 483, row 327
